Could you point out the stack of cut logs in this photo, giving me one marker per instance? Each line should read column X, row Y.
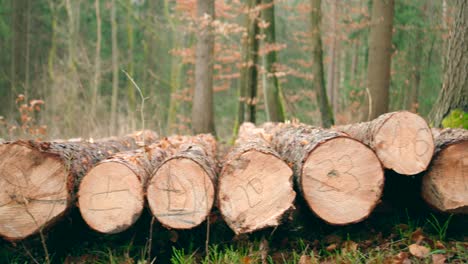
column 338, row 172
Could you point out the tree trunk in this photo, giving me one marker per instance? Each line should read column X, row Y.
column 274, row 105
column 18, row 45
column 380, row 51
column 115, row 69
column 111, row 195
column 339, row 178
column 317, row 67
column 332, row 54
column 131, row 91
column 412, row 98
column 248, row 80
column 202, row 106
column 445, row 185
column 454, row 93
column 97, row 60
column 39, row 180
column 255, row 185
column 402, row 140
column 181, row 191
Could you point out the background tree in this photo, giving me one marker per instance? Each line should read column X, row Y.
column 271, row 88
column 454, row 93
column 380, row 52
column 202, row 106
column 317, row 68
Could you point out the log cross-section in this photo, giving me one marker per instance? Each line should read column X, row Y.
column 181, row 191
column 340, row 179
column 111, row 195
column 402, row 140
column 445, row 185
column 38, row 180
column 255, row 185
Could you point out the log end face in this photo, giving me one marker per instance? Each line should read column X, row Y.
column 255, row 190
column 404, row 143
column 110, row 197
column 33, row 190
column 342, row 181
column 445, row 186
column 180, row 194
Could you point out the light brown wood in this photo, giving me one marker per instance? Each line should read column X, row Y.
column 33, row 190
column 255, row 185
column 111, row 195
column 39, row 180
column 181, row 191
column 402, row 140
column 340, row 179
column 445, row 185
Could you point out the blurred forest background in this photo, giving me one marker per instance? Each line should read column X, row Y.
column 92, row 64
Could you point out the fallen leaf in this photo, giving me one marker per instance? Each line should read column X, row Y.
column 419, row 251
column 349, row 246
column 331, row 247
column 438, row 259
column 417, row 236
column 439, row 245
column 305, row 259
column 401, row 258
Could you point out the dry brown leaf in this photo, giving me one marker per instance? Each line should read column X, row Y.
column 331, row 247
column 401, row 258
column 173, row 236
column 305, row 260
column 438, row 259
column 439, row 245
column 419, row 251
column 349, row 246
column 417, row 236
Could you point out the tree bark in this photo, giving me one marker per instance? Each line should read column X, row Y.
column 255, row 185
column 339, row 178
column 454, row 92
column 39, row 180
column 402, row 140
column 332, row 54
column 111, row 195
column 445, row 185
column 97, row 60
column 202, row 105
column 248, row 81
column 274, row 105
column 181, row 191
column 115, row 68
column 380, row 51
column 317, row 67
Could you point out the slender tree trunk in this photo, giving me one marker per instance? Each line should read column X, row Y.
column 380, row 51
column 97, row 59
column 249, row 74
column 274, row 105
column 412, row 98
column 115, row 68
column 454, row 93
column 332, row 55
column 19, row 39
column 28, row 49
column 202, row 106
column 175, row 82
column 130, row 67
column 317, row 68
column 53, row 45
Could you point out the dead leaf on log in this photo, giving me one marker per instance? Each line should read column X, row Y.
column 419, row 251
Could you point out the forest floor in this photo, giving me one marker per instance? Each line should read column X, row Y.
column 406, row 236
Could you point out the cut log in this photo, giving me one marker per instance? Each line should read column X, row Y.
column 38, row 180
column 445, row 185
column 111, row 195
column 181, row 191
column 255, row 185
column 340, row 179
column 402, row 140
